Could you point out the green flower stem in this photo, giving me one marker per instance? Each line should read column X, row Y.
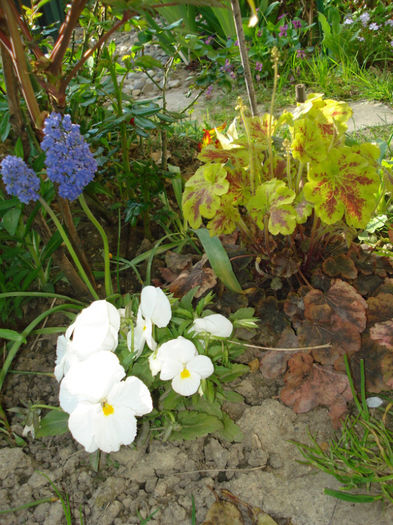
column 26, row 332
column 101, row 231
column 71, row 250
column 252, row 171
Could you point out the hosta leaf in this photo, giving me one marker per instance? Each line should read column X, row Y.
column 273, row 198
column 343, row 186
column 201, row 197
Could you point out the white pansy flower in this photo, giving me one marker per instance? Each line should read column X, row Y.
column 154, row 364
column 155, row 306
column 143, row 333
column 102, row 408
column 94, row 329
column 181, row 363
column 215, row 324
column 155, row 309
column 65, row 357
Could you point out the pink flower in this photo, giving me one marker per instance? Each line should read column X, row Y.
column 300, row 53
column 283, row 30
column 258, row 66
column 297, row 24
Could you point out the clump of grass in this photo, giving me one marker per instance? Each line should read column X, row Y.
column 362, row 457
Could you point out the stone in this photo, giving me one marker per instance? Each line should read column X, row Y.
column 216, row 454
column 14, row 462
column 172, row 84
column 55, row 515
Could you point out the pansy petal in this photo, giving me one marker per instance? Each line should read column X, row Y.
column 68, row 400
column 181, row 349
column 61, row 349
column 93, row 378
column 95, row 328
column 81, row 425
column 215, row 324
column 155, row 305
column 154, row 364
column 201, row 365
column 133, row 394
column 170, row 368
column 187, row 386
column 118, row 428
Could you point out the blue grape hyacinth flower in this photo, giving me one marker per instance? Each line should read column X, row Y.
column 20, row 180
column 69, row 161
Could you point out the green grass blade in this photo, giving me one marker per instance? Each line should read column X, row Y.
column 11, row 335
column 219, row 260
column 354, row 498
column 29, row 505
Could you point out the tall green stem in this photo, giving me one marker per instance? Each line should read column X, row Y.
column 101, row 231
column 71, row 250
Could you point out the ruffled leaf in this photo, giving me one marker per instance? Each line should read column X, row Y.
column 201, row 197
column 274, row 198
column 343, row 186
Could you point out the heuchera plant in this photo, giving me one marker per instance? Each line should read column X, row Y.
column 158, row 358
column 268, row 177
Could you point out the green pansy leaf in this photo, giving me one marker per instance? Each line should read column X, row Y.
column 195, row 424
column 201, row 197
column 231, row 431
column 229, row 374
column 344, row 186
column 274, row 198
column 53, row 424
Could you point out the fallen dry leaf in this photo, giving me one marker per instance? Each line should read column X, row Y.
column 323, row 386
column 340, row 265
column 223, row 513
column 196, row 277
column 380, row 308
column 383, row 333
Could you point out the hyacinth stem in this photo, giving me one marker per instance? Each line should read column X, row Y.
column 70, row 248
column 101, row 231
column 73, row 234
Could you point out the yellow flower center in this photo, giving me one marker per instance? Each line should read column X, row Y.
column 107, row 409
column 185, row 373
